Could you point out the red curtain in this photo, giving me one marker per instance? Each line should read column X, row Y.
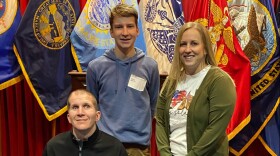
column 24, row 128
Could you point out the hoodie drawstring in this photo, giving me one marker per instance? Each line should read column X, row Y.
column 128, row 75
column 117, row 77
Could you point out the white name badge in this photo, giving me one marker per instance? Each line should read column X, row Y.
column 136, row 82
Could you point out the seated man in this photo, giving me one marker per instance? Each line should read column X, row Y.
column 85, row 138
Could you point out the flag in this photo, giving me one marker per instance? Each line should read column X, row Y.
column 255, row 25
column 277, row 13
column 10, row 72
column 42, row 46
column 91, row 35
column 22, row 5
column 82, row 4
column 161, row 22
column 228, row 54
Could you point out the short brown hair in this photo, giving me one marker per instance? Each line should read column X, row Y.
column 82, row 92
column 123, row 10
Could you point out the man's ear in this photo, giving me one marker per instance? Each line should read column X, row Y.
column 98, row 115
column 68, row 118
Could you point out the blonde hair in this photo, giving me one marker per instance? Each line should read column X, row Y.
column 123, row 10
column 177, row 67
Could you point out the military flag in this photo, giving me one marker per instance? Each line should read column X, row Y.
column 82, row 4
column 42, row 46
column 276, row 4
column 228, row 54
column 10, row 72
column 91, row 36
column 161, row 22
column 22, row 5
column 255, row 25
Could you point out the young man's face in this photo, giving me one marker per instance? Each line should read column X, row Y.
column 82, row 113
column 125, row 31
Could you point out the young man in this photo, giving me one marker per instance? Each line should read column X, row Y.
column 126, row 84
column 85, row 138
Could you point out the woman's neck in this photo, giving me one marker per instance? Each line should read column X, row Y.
column 189, row 71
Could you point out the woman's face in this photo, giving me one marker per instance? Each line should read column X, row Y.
column 192, row 52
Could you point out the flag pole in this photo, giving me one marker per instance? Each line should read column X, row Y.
column 53, row 127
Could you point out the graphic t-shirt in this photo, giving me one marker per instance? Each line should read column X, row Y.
column 178, row 111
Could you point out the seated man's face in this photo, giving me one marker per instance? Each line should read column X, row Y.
column 82, row 113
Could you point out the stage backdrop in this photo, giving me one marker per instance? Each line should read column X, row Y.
column 25, row 129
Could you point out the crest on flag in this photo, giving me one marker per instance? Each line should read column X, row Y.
column 53, row 23
column 161, row 22
column 252, row 27
column 10, row 72
column 7, row 14
column 99, row 12
column 44, row 52
column 96, row 17
column 255, row 26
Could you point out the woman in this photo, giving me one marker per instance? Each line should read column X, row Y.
column 196, row 101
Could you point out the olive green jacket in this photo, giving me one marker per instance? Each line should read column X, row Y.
column 208, row 116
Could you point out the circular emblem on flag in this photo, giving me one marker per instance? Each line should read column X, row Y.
column 254, row 26
column 99, row 12
column 8, row 10
column 53, row 23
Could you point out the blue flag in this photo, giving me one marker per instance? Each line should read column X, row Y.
column 277, row 13
column 271, row 132
column 255, row 26
column 42, row 45
column 91, row 36
column 10, row 72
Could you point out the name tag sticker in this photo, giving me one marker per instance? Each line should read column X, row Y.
column 136, row 82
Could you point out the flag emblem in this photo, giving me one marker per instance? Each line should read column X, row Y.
column 163, row 35
column 252, row 27
column 97, row 18
column 7, row 14
column 53, row 23
column 99, row 12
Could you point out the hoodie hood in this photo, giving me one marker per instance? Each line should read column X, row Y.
column 111, row 55
column 127, row 62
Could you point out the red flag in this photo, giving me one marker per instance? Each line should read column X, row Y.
column 214, row 15
column 23, row 4
column 82, row 4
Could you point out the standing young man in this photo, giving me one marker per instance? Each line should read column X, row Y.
column 126, row 84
